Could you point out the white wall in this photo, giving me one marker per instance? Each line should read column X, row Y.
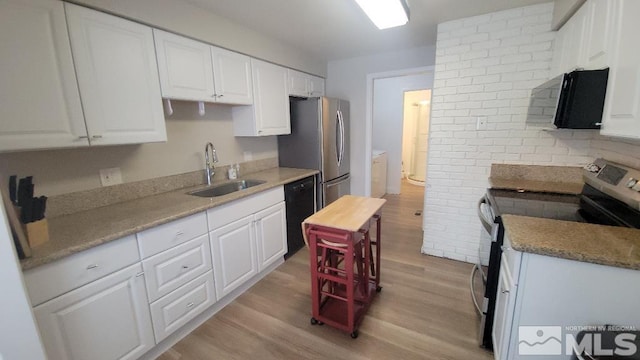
column 486, row 66
column 347, row 79
column 63, row 171
column 388, row 115
column 184, row 18
column 19, row 337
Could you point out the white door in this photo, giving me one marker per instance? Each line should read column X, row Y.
column 185, row 67
column 234, row 255
column 232, row 76
column 118, row 77
column 271, row 99
column 105, row 320
column 621, row 109
column 271, row 231
column 39, row 100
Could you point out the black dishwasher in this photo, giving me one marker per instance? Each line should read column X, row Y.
column 300, row 200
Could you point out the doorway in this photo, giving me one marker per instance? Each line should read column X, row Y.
column 415, row 136
column 388, row 121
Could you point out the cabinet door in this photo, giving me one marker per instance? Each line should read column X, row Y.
column 232, row 76
column 271, row 99
column 503, row 317
column 185, row 67
column 271, row 231
column 299, row 83
column 573, row 39
column 376, row 177
column 621, row 109
column 39, row 100
column 234, row 255
column 104, row 320
column 597, row 52
column 316, row 85
column 117, row 76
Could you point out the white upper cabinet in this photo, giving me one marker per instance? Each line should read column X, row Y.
column 303, row 85
column 232, row 77
column 39, row 100
column 185, row 67
column 622, row 104
column 117, row 76
column 193, row 70
column 269, row 114
column 568, row 53
column 317, row 86
column 597, row 50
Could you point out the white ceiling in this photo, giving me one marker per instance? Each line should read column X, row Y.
column 339, row 29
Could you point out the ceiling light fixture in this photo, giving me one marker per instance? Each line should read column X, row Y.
column 386, row 13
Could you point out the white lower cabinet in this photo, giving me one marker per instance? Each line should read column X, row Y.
column 234, row 255
column 271, row 237
column 244, row 241
column 179, row 307
column 106, row 319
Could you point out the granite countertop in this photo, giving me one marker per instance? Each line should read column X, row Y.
column 80, row 231
column 537, row 186
column 598, row 244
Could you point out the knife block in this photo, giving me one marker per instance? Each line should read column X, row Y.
column 37, row 232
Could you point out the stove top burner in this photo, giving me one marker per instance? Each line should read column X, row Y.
column 542, row 205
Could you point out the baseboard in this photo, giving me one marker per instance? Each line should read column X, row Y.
column 185, row 330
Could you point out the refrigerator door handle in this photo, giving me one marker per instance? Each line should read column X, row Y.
column 337, row 181
column 338, row 142
column 341, row 117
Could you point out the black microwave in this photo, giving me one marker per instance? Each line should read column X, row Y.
column 573, row 100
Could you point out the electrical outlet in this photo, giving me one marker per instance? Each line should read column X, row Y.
column 111, row 176
column 481, row 123
column 248, row 156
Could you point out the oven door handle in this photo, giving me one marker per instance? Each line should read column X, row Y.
column 486, row 223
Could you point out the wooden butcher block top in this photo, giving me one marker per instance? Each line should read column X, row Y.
column 350, row 213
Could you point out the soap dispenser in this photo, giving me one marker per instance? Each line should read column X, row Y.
column 232, row 173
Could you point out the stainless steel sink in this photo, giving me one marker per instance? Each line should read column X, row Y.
column 226, row 188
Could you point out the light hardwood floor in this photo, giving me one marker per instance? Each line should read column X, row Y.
column 423, row 312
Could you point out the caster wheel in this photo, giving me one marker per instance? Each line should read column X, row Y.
column 378, row 288
column 314, row 321
column 320, row 323
column 354, row 334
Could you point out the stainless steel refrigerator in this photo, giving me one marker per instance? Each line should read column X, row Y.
column 319, row 140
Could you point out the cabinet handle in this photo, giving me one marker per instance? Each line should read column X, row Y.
column 504, row 248
column 505, row 291
column 179, row 233
column 185, row 266
column 83, row 137
column 92, row 266
column 220, row 95
column 96, row 137
column 214, row 95
column 190, row 305
column 140, row 274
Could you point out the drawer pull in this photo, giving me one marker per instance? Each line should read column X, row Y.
column 185, row 266
column 505, row 291
column 190, row 305
column 180, row 233
column 92, row 266
column 140, row 274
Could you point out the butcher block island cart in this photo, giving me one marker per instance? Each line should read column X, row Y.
column 344, row 274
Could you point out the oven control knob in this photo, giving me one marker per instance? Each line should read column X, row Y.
column 593, row 168
column 631, row 183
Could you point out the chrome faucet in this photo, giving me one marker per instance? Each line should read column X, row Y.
column 209, row 167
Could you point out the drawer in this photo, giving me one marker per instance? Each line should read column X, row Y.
column 228, row 213
column 173, row 268
column 166, row 236
column 50, row 280
column 176, row 309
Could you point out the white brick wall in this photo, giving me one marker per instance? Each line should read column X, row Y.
column 486, row 66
